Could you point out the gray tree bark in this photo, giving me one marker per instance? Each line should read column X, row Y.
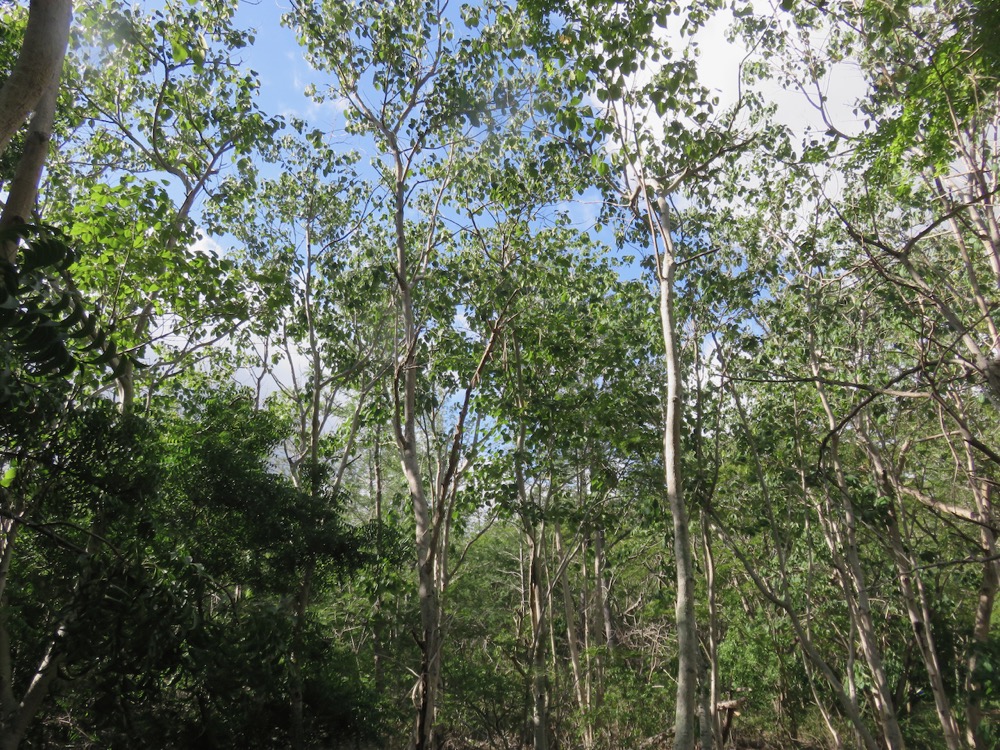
column 685, row 716
column 38, row 65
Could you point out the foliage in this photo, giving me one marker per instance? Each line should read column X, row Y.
column 409, row 414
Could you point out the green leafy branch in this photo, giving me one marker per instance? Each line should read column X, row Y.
column 45, row 325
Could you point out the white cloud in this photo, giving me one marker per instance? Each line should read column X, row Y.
column 206, row 246
column 720, row 60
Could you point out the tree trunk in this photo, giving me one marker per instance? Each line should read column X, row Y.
column 571, row 635
column 848, row 704
column 536, row 603
column 296, row 681
column 712, row 640
column 428, row 640
column 38, row 65
column 920, row 622
column 914, row 598
column 378, row 628
column 24, row 187
column 602, row 606
column 841, row 531
column 685, row 718
column 984, row 617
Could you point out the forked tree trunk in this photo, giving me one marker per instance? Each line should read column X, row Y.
column 781, row 597
column 974, row 736
column 405, row 425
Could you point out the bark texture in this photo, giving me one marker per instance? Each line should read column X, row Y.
column 38, row 65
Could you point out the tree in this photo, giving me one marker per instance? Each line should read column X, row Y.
column 161, row 109
column 427, row 118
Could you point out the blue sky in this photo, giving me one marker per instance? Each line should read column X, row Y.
column 276, row 58
column 283, row 71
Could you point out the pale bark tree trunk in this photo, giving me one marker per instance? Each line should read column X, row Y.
column 405, row 426
column 914, row 597
column 980, row 637
column 583, row 607
column 983, row 490
column 24, row 187
column 781, row 598
column 38, row 65
column 824, row 711
column 572, row 636
column 711, row 642
column 980, row 212
column 34, row 83
column 378, row 628
column 537, row 605
column 309, row 439
column 305, row 467
column 603, row 589
column 428, row 641
column 847, row 703
column 432, row 511
column 687, row 633
column 16, row 723
column 842, row 540
column 534, row 534
column 657, row 219
column 602, row 608
column 594, row 609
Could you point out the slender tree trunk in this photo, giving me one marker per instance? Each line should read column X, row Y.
column 571, row 628
column 980, row 637
column 824, row 712
column 603, row 589
column 602, row 607
column 920, row 622
column 17, row 724
column 296, row 680
column 378, row 630
column 842, row 538
column 845, row 696
column 585, row 629
column 915, row 600
column 848, row 703
column 711, row 640
column 536, row 603
column 687, row 633
column 428, row 640
column 34, row 83
column 985, row 601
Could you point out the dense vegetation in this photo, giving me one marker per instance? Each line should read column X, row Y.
column 551, row 403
